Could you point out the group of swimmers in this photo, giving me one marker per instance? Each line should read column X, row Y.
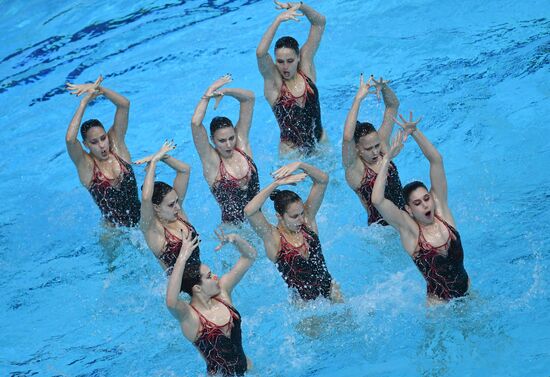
column 421, row 216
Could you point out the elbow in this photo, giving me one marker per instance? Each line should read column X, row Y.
column 376, row 199
column 124, row 103
column 248, row 210
column 322, row 21
column 436, row 158
column 324, row 179
column 260, row 52
column 171, row 302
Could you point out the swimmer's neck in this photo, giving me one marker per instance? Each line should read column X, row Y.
column 200, row 301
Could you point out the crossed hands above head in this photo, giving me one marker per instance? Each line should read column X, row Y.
column 379, row 85
column 92, row 89
column 365, row 87
column 214, row 91
column 168, row 146
column 291, row 11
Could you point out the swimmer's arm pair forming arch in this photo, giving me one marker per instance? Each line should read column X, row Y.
column 246, row 100
column 316, row 193
column 117, row 133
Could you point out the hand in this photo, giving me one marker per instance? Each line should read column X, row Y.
column 144, row 160
column 408, row 126
column 379, row 85
column 364, row 87
column 286, row 170
column 213, row 88
column 224, row 239
column 79, row 89
column 187, row 245
column 396, row 145
column 166, row 147
column 280, row 5
column 291, row 179
column 291, row 12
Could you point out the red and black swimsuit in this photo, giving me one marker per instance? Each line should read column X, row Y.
column 299, row 118
column 392, row 192
column 308, row 275
column 173, row 245
column 233, row 194
column 116, row 198
column 223, row 353
column 445, row 275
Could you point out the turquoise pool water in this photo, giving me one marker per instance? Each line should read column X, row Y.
column 77, row 304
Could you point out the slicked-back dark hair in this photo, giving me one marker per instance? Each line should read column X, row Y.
column 160, row 190
column 362, row 129
column 410, row 187
column 91, row 123
column 191, row 277
column 288, row 42
column 218, row 123
column 282, row 199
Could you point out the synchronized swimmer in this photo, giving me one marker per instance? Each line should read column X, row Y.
column 421, row 216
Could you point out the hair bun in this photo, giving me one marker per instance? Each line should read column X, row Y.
column 274, row 194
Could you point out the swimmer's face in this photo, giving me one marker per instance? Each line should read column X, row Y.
column 169, row 208
column 286, row 61
column 97, row 141
column 210, row 284
column 225, row 140
column 369, row 147
column 293, row 218
column 421, row 206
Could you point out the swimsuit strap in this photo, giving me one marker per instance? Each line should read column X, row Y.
column 207, row 325
column 299, row 248
column 425, row 245
column 171, row 236
column 224, row 174
column 98, row 174
column 285, row 91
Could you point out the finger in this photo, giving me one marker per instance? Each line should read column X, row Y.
column 361, row 80
column 419, row 119
column 402, row 119
column 411, row 116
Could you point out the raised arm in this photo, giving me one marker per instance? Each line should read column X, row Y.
column 272, row 79
column 438, row 179
column 248, row 256
column 308, row 50
column 258, row 220
column 74, row 148
column 206, row 152
column 391, row 104
column 117, row 133
column 396, row 217
column 179, row 308
column 246, row 108
column 317, row 192
column 147, row 211
column 349, row 153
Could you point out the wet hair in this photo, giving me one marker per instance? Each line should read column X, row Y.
column 288, row 42
column 410, row 187
column 362, row 129
column 91, row 123
column 218, row 123
column 191, row 277
column 282, row 199
column 160, row 190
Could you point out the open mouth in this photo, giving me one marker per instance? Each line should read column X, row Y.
column 428, row 214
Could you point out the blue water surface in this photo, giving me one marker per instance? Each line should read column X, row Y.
column 78, row 300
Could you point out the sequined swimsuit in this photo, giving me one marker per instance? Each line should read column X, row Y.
column 116, row 198
column 233, row 194
column 224, row 355
column 173, row 245
column 445, row 275
column 308, row 275
column 392, row 192
column 299, row 118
